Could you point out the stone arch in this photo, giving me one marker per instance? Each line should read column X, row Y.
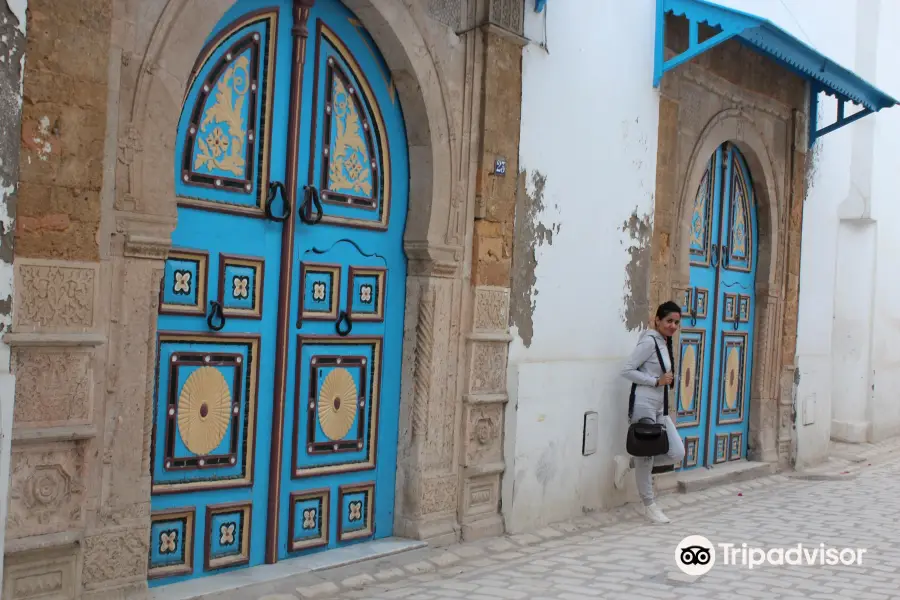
column 145, row 195
column 737, row 127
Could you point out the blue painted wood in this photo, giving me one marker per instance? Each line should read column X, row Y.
column 736, row 295
column 213, row 412
column 695, row 360
column 354, row 264
column 823, row 74
column 717, row 325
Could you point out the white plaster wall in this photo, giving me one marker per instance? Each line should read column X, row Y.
column 884, row 408
column 589, row 125
column 589, row 114
column 845, row 353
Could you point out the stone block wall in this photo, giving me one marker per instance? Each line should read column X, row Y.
column 103, row 84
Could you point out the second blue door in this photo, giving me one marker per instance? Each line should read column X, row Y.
column 716, row 354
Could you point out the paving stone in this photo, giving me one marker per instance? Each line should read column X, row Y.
column 617, row 555
column 320, row 590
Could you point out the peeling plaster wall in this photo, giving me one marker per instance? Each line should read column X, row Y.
column 581, row 258
column 12, row 63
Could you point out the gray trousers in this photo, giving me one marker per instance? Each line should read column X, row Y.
column 651, row 411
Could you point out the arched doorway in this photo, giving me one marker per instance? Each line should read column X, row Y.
column 281, row 308
column 716, row 354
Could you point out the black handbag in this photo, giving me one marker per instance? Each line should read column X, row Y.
column 648, row 439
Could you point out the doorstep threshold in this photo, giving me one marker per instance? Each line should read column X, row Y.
column 702, row 478
column 330, row 559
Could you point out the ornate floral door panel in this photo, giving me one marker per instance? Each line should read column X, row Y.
column 735, row 313
column 340, row 424
column 716, row 339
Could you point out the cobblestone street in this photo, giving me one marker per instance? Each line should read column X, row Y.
column 616, row 555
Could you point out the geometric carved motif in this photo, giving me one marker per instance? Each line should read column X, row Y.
column 356, row 504
column 52, row 387
column 240, row 286
column 491, row 311
column 736, row 446
column 205, row 412
column 46, row 490
column 227, row 536
column 51, row 297
column 721, row 448
column 365, row 293
column 115, row 555
column 355, row 164
column 227, row 128
column 337, row 415
column 171, row 543
column 488, row 367
column 691, row 451
column 184, row 283
column 308, row 519
column 320, row 286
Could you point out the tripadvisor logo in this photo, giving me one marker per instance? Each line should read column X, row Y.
column 695, row 555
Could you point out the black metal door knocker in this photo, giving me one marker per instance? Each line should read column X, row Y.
column 270, row 200
column 345, row 318
column 215, row 312
column 310, row 194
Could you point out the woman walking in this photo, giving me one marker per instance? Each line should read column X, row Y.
column 650, row 381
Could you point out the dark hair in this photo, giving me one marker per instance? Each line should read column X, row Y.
column 667, row 308
column 664, row 310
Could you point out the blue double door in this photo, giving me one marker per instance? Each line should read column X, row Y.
column 281, row 305
column 716, row 341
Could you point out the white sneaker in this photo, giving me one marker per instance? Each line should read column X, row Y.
column 623, row 465
column 656, row 515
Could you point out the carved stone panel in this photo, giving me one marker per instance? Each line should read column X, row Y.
column 55, row 296
column 481, row 496
column 508, row 14
column 491, row 309
column 484, row 424
column 447, row 12
column 46, row 490
column 488, row 369
column 439, row 495
column 53, row 387
column 115, row 555
column 44, row 575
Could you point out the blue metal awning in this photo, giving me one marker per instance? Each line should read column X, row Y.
column 824, row 75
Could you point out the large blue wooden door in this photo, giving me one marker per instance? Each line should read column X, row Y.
column 717, row 338
column 338, row 463
column 281, row 314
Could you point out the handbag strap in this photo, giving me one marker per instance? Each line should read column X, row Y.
column 662, row 366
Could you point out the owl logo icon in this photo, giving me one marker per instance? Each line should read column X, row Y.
column 695, row 555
